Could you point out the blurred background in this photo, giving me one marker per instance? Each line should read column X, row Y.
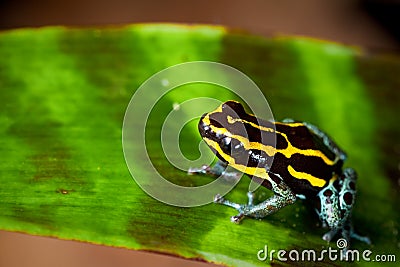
column 372, row 24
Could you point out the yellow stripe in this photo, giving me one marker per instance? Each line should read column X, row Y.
column 206, row 118
column 291, row 124
column 290, row 150
column 333, row 179
column 262, row 172
column 302, row 175
column 266, row 129
column 270, row 150
column 255, row 171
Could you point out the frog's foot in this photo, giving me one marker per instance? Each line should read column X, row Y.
column 347, row 233
column 329, row 235
column 361, row 238
column 219, row 169
column 343, row 243
column 283, row 197
column 241, row 208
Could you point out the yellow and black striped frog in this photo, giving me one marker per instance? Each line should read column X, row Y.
column 293, row 159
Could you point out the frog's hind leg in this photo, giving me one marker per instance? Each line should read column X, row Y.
column 282, row 197
column 337, row 200
column 347, row 196
column 219, row 169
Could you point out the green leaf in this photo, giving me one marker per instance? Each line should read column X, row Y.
column 63, row 95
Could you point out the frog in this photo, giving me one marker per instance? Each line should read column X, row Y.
column 293, row 159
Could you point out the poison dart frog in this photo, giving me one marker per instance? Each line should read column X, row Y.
column 306, row 164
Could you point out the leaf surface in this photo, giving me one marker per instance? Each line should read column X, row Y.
column 63, row 96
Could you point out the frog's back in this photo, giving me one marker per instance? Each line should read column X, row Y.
column 303, row 160
column 291, row 152
column 299, row 156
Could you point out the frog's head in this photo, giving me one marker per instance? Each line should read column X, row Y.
column 219, row 123
column 221, row 127
column 233, row 135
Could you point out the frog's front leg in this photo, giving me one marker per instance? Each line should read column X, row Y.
column 219, row 169
column 282, row 197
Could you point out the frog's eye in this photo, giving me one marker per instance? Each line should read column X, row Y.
column 231, row 146
column 225, row 144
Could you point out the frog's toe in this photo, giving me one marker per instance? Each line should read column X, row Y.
column 349, row 233
column 204, row 169
column 364, row 239
column 237, row 218
column 219, row 199
column 329, row 235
